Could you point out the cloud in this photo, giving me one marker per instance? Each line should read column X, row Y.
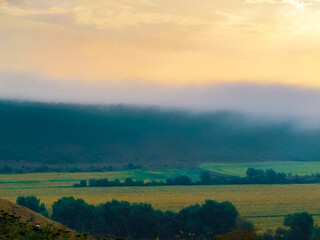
column 15, row 10
column 27, row 15
column 165, row 41
column 296, row 3
column 269, row 100
column 112, row 15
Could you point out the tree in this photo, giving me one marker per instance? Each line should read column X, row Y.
column 205, row 178
column 316, row 233
column 140, row 221
column 102, row 182
column 271, row 175
column 301, row 226
column 74, row 213
column 182, row 180
column 256, row 175
column 83, row 183
column 281, row 177
column 281, row 234
column 169, row 181
column 128, row 182
column 212, row 216
column 33, row 204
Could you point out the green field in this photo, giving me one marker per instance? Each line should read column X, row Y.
column 262, row 203
column 239, row 169
column 36, row 180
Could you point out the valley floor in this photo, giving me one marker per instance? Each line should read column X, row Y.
column 265, row 205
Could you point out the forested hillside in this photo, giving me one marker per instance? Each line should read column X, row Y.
column 64, row 133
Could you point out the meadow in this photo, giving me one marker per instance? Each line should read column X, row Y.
column 239, row 169
column 265, row 205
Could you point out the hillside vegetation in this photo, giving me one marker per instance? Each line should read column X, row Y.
column 61, row 133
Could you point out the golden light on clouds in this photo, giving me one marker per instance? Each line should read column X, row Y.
column 165, row 41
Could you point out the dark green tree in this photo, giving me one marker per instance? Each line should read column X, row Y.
column 256, row 175
column 83, row 183
column 301, row 226
column 271, row 176
column 74, row 213
column 182, row 180
column 33, row 204
column 212, row 216
column 205, row 178
column 128, row 182
column 316, row 233
column 137, row 220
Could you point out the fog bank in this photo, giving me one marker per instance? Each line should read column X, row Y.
column 266, row 100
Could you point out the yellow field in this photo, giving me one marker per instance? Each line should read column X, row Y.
column 250, row 200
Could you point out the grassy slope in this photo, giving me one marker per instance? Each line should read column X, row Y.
column 239, row 169
column 153, row 138
column 21, row 223
column 26, row 214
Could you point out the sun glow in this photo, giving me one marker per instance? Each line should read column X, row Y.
column 298, row 3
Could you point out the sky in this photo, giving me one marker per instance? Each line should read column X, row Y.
column 163, row 52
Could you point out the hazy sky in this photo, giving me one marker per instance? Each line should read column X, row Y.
column 166, row 41
column 160, row 45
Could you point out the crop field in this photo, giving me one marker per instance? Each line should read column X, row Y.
column 265, row 205
column 239, row 169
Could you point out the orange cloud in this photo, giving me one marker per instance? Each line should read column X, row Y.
column 170, row 42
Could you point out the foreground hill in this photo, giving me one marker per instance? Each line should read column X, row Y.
column 62, row 133
column 25, row 214
column 18, row 222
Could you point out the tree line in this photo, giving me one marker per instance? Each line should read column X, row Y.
column 129, row 182
column 253, row 176
column 211, row 220
column 142, row 221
